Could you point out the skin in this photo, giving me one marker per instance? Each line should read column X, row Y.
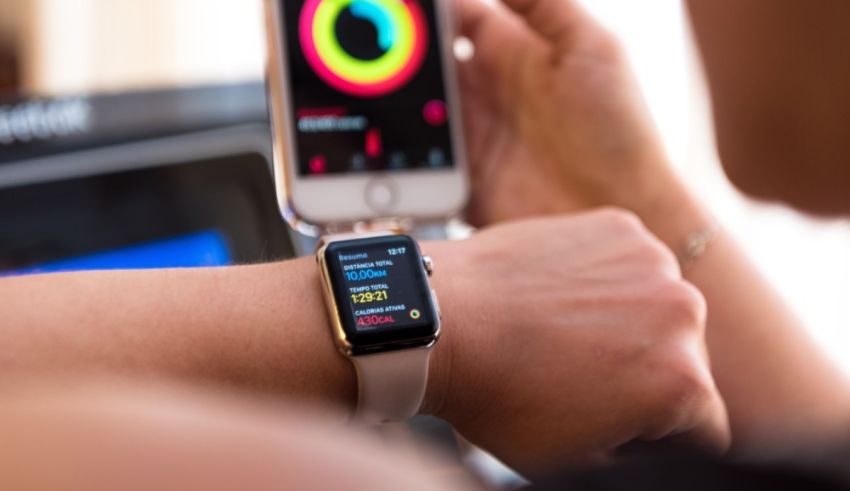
column 778, row 74
column 172, row 437
column 608, row 301
column 30, row 423
column 555, row 117
column 612, row 320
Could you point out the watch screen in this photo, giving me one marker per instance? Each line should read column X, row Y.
column 380, row 289
column 366, row 86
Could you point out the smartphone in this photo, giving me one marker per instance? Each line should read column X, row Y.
column 365, row 110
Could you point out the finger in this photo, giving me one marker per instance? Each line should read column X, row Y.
column 471, row 15
column 556, row 21
column 698, row 416
column 499, row 38
column 480, row 23
column 487, row 27
column 707, row 426
column 711, row 430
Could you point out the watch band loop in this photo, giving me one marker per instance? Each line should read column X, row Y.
column 391, row 385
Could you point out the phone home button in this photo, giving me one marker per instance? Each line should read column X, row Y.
column 381, row 195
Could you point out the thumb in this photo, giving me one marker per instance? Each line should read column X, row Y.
column 484, row 26
column 497, row 35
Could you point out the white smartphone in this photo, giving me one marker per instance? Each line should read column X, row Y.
column 365, row 110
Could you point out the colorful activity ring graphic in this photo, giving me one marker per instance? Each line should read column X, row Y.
column 401, row 44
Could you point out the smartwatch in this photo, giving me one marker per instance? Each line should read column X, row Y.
column 384, row 317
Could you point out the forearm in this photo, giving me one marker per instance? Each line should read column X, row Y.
column 257, row 327
column 780, row 112
column 262, row 328
column 776, row 382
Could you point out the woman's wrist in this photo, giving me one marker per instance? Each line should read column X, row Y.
column 448, row 260
column 668, row 208
column 464, row 363
column 338, row 373
column 683, row 223
column 307, row 362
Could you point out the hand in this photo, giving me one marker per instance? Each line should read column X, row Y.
column 565, row 338
column 554, row 119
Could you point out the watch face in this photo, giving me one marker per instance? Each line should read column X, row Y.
column 381, row 292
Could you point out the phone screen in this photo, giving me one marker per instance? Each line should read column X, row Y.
column 367, row 86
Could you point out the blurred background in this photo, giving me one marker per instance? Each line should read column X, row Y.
column 129, row 126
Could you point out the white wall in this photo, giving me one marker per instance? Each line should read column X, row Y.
column 106, row 45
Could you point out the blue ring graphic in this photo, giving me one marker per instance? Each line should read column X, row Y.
column 378, row 17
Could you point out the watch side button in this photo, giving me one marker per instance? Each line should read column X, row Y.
column 428, row 264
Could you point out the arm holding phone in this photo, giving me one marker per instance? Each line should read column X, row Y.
column 555, row 116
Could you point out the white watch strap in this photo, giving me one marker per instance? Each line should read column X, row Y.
column 391, row 385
